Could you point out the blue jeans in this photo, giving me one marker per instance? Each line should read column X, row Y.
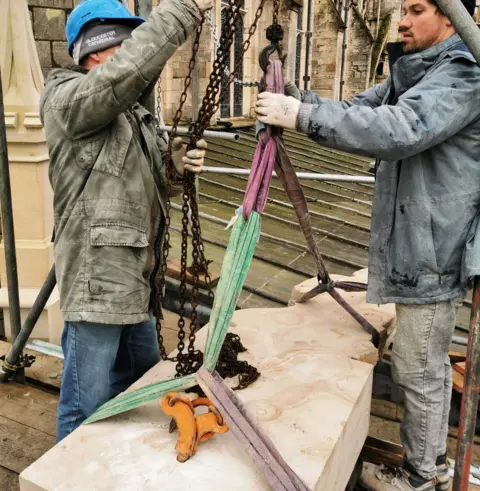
column 101, row 361
column 421, row 367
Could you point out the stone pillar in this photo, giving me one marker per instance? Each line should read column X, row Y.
column 326, row 48
column 359, row 54
column 22, row 81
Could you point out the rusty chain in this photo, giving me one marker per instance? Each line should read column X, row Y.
column 210, row 104
column 276, row 10
column 162, row 265
column 190, row 362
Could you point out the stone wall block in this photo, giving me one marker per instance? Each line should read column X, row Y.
column 60, row 4
column 60, row 54
column 49, row 24
column 44, row 51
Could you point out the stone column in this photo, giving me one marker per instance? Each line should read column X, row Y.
column 22, row 81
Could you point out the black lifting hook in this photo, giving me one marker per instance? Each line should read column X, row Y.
column 274, row 35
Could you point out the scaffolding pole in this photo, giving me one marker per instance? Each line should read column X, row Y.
column 8, row 228
column 312, row 176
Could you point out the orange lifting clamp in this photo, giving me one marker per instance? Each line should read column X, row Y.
column 192, row 429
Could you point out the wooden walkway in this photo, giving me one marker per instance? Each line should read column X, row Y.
column 27, row 429
column 27, row 417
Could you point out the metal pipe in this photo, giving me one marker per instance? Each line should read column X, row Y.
column 49, row 346
column 301, row 175
column 45, row 351
column 468, row 411
column 463, row 23
column 460, row 340
column 32, row 317
column 344, row 50
column 143, row 8
column 8, row 227
column 308, row 39
column 223, row 135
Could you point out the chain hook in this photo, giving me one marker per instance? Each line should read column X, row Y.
column 274, row 35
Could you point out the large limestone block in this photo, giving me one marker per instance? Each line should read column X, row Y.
column 312, row 399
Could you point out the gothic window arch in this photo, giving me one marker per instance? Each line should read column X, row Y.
column 232, row 105
column 298, row 49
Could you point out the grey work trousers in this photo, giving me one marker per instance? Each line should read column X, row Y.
column 421, row 368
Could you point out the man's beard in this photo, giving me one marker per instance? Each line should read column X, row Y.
column 409, row 49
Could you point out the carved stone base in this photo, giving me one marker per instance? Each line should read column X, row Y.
column 50, row 324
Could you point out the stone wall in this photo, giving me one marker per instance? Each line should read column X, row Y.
column 326, row 47
column 327, row 32
column 358, row 55
column 48, row 19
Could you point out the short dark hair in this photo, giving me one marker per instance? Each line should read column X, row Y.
column 468, row 4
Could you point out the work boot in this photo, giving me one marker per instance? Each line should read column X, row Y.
column 383, row 478
column 443, row 477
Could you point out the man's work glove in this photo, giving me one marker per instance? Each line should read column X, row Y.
column 277, row 110
column 192, row 160
column 204, row 4
column 292, row 90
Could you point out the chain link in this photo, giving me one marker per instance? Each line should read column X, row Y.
column 159, row 275
column 211, row 103
column 276, row 10
column 190, row 362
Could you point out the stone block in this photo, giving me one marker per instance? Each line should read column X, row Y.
column 45, row 70
column 177, row 84
column 62, row 4
column 49, row 24
column 44, row 51
column 60, row 54
column 181, row 71
column 50, row 324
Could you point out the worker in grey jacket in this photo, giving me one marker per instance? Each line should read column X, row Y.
column 423, row 127
column 109, row 180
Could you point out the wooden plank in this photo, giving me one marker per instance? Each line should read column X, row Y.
column 460, row 367
column 380, row 451
column 174, row 271
column 457, row 380
column 21, row 445
column 29, row 406
column 456, row 356
column 46, row 369
column 458, row 376
column 8, row 480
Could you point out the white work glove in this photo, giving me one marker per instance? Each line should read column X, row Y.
column 192, row 160
column 277, row 110
column 204, row 4
column 292, row 90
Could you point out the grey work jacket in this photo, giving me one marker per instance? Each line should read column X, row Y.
column 107, row 172
column 423, row 126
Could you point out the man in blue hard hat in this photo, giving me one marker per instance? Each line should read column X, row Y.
column 110, row 188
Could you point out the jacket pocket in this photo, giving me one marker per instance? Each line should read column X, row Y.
column 118, row 254
column 112, row 156
column 118, row 235
column 412, row 255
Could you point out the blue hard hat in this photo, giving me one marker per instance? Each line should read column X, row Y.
column 101, row 10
